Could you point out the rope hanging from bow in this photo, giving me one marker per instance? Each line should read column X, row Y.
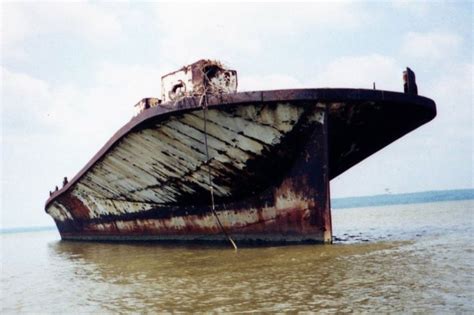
column 203, row 104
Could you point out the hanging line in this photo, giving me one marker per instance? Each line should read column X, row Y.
column 203, row 104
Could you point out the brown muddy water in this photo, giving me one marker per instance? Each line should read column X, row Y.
column 404, row 258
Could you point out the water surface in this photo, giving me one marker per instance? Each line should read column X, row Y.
column 402, row 258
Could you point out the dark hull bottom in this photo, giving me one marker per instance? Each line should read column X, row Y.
column 247, row 239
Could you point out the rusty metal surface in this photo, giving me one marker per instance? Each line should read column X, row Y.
column 201, row 77
column 274, row 153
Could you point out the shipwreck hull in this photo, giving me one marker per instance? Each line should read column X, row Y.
column 272, row 155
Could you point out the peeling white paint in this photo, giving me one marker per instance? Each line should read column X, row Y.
column 59, row 212
column 156, row 165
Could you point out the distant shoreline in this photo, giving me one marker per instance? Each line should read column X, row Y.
column 402, row 199
column 339, row 203
column 25, row 229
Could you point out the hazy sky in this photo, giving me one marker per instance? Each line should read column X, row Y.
column 71, row 73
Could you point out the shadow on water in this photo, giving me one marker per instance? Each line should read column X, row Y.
column 203, row 278
column 157, row 259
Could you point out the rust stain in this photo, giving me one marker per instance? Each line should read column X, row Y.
column 75, row 207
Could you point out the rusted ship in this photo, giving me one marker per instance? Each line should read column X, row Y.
column 208, row 163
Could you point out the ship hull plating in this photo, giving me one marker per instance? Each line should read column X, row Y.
column 271, row 157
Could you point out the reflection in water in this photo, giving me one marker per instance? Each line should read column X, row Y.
column 202, row 278
column 399, row 258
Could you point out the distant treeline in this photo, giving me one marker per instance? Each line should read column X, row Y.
column 397, row 199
